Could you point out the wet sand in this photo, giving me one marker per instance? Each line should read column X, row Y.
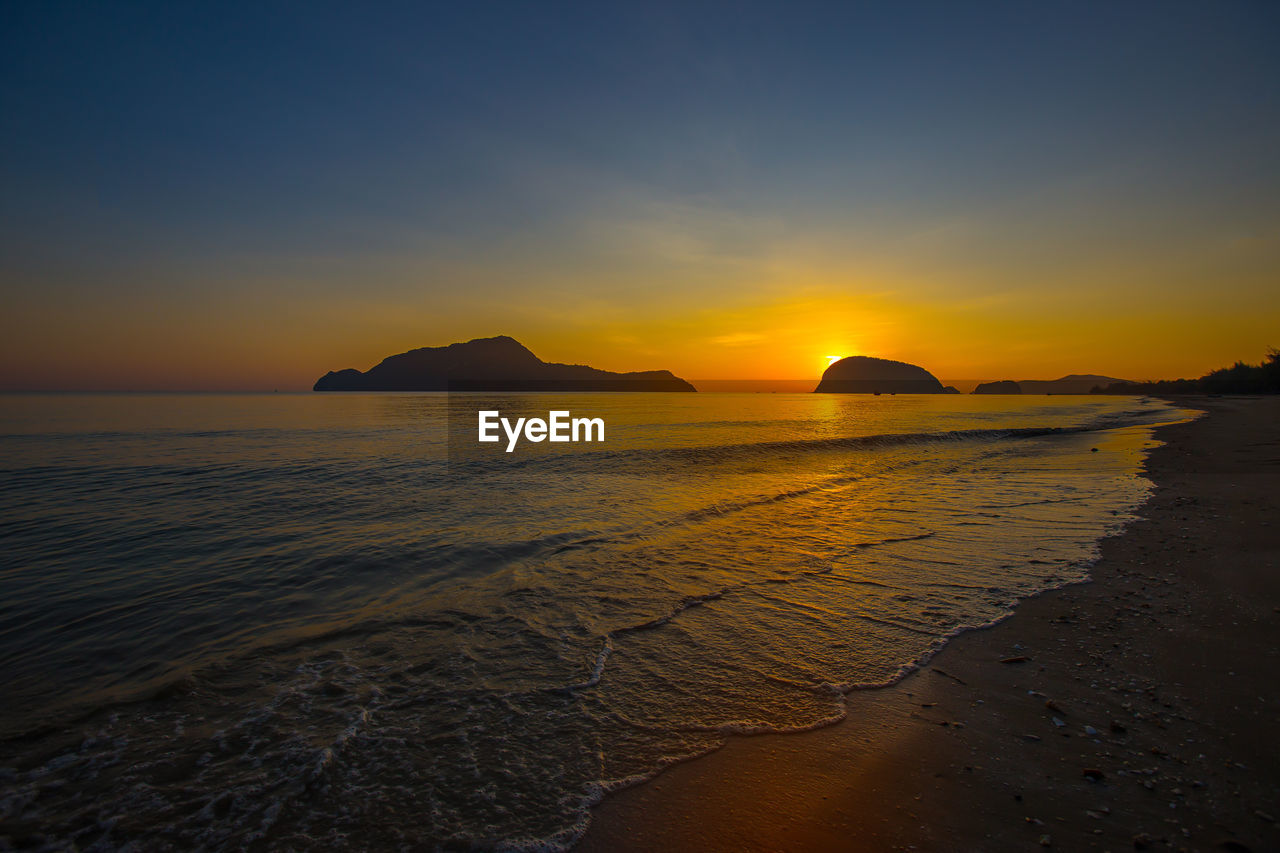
column 1137, row 711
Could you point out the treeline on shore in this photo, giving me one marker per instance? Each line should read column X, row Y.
column 1239, row 378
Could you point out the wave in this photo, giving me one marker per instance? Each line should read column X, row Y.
column 468, row 465
column 438, row 565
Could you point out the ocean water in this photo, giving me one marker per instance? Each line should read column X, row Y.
column 305, row 621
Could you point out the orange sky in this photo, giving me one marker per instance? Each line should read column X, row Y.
column 790, row 333
column 1021, row 191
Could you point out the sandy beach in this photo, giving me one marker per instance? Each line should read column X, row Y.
column 1135, row 711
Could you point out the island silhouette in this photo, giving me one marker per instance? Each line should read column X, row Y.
column 490, row 364
column 863, row 374
column 504, row 364
column 1073, row 383
column 1003, row 386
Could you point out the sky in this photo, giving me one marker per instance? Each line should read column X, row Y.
column 222, row 196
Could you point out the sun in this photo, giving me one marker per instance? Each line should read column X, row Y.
column 832, row 359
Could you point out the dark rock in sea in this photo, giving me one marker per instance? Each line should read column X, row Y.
column 860, row 374
column 950, row 389
column 1004, row 386
column 1230, row 845
column 490, row 364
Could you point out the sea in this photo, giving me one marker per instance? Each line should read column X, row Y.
column 338, row 621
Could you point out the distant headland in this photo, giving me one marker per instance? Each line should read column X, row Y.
column 490, row 364
column 1239, row 378
column 862, row 374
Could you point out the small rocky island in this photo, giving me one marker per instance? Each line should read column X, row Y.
column 861, row 374
column 490, row 364
column 1004, row 386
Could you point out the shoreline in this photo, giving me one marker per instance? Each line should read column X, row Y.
column 1131, row 711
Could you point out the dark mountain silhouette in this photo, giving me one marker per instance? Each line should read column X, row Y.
column 1075, row 383
column 1239, row 378
column 1004, row 386
column 861, row 374
column 490, row 364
